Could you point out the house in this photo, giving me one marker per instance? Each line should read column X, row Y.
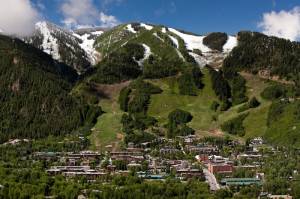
column 75, row 171
column 190, row 173
column 202, row 158
column 220, row 168
column 209, row 150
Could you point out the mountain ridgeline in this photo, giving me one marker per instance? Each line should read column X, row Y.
column 153, row 65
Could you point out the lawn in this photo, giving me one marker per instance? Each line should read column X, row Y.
column 199, row 106
column 108, row 129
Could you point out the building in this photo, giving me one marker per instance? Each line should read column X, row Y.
column 280, row 196
column 209, row 150
column 202, row 158
column 240, row 181
column 222, row 168
column 190, row 173
column 76, row 171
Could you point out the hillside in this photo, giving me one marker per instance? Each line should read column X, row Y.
column 167, row 58
column 270, row 57
column 35, row 100
column 224, row 96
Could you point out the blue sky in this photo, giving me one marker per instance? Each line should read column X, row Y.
column 200, row 16
column 279, row 18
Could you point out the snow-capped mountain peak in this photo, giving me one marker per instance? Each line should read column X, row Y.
column 72, row 47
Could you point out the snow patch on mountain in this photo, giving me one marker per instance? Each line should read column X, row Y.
column 164, row 30
column 230, row 44
column 147, row 54
column 88, row 40
column 192, row 42
column 50, row 44
column 180, row 55
column 174, row 40
column 201, row 61
column 130, row 28
column 147, row 27
column 158, row 37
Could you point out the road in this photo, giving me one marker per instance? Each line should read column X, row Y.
column 211, row 179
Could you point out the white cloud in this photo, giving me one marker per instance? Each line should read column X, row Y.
column 83, row 13
column 285, row 24
column 108, row 21
column 77, row 12
column 17, row 17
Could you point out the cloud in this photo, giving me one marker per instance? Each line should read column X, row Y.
column 83, row 13
column 17, row 17
column 284, row 24
column 108, row 21
column 79, row 12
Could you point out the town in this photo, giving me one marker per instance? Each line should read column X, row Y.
column 219, row 162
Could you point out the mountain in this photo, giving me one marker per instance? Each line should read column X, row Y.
column 73, row 48
column 160, row 38
column 156, row 51
column 218, row 78
column 35, row 96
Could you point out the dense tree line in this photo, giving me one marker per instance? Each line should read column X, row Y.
column 120, row 65
column 238, row 89
column 256, row 51
column 156, row 67
column 35, row 100
column 190, row 81
column 221, row 87
column 136, row 120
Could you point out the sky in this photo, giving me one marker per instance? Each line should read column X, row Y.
column 273, row 17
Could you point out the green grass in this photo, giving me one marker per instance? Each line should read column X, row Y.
column 199, row 106
column 108, row 129
column 256, row 122
column 285, row 131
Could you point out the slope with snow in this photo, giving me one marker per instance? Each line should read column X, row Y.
column 174, row 40
column 73, row 48
column 147, row 27
column 146, row 54
column 49, row 44
column 158, row 37
column 230, row 44
column 130, row 28
column 192, row 42
column 208, row 56
column 88, row 40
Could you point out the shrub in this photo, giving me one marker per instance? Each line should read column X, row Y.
column 235, row 125
column 124, row 98
column 180, row 117
column 273, row 92
column 253, row 103
column 214, row 106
